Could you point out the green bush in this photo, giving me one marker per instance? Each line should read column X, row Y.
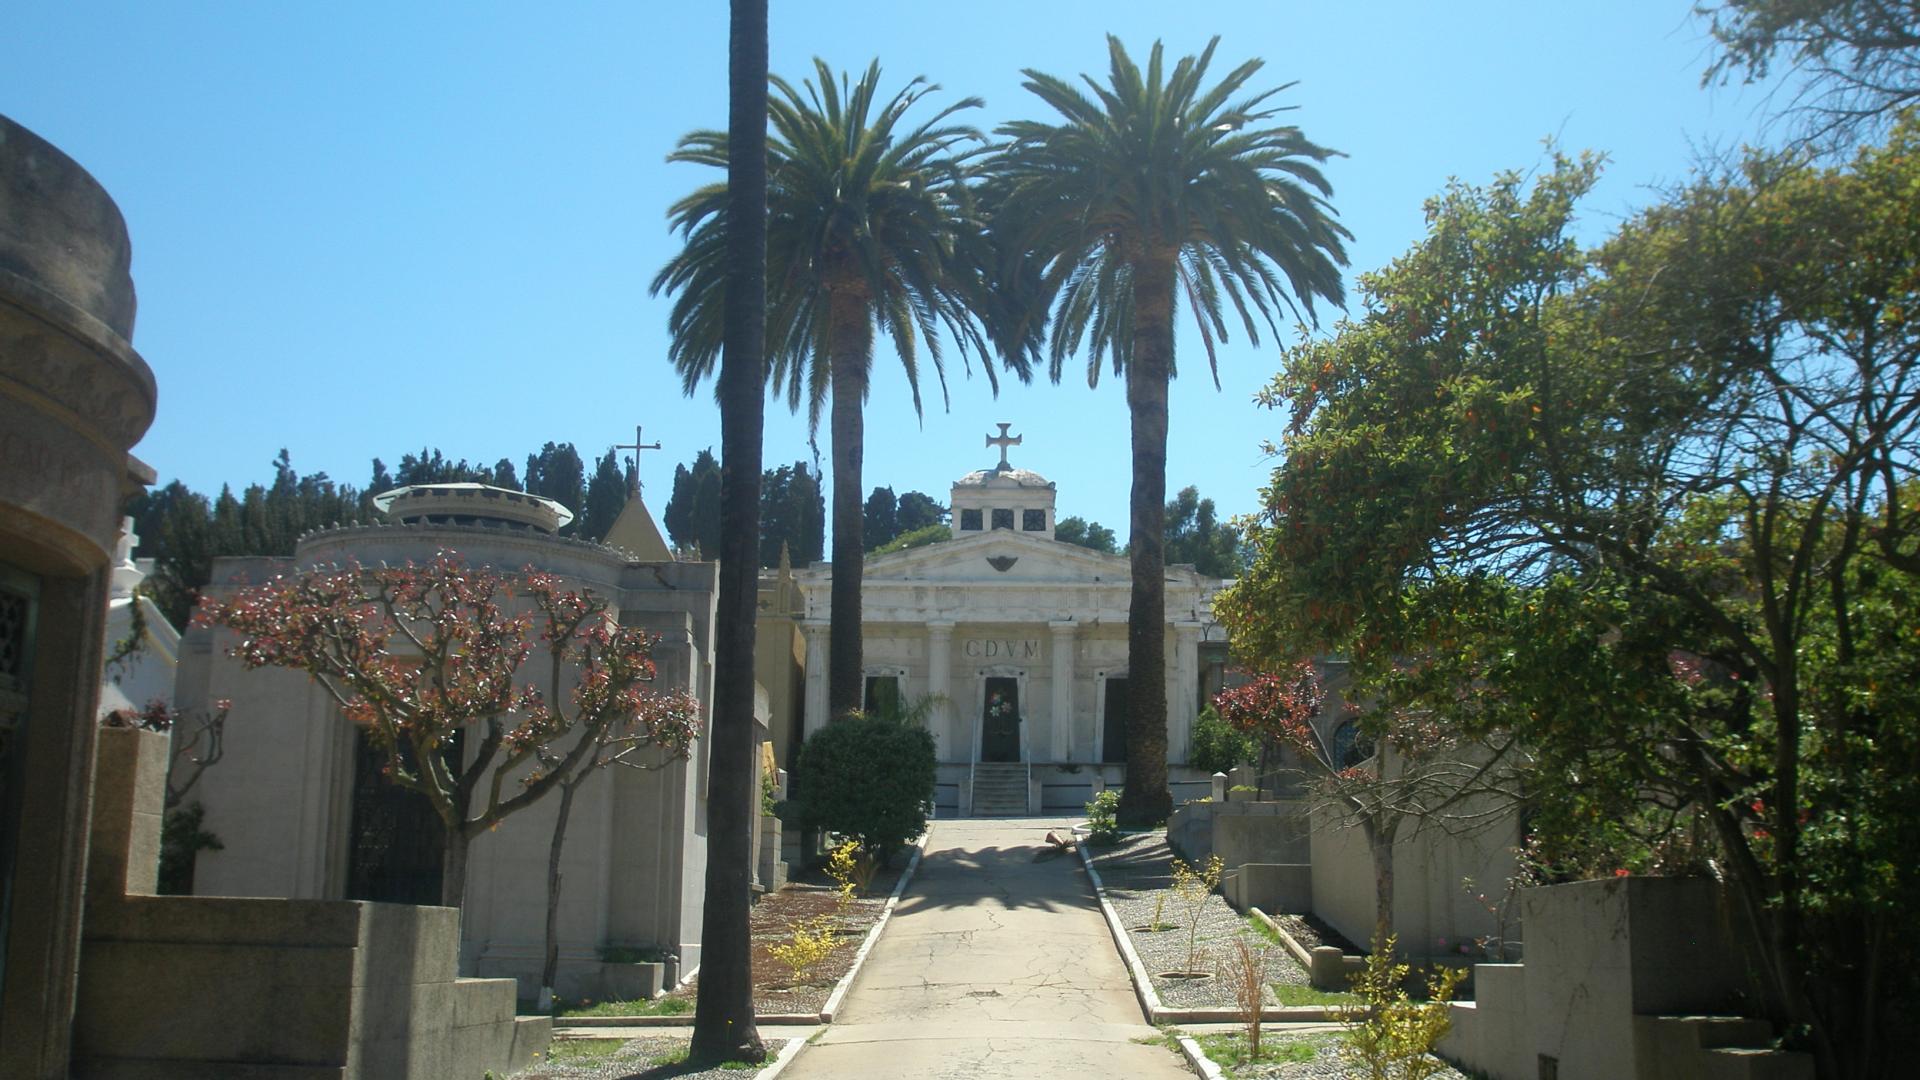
column 1103, row 823
column 1217, row 747
column 868, row 778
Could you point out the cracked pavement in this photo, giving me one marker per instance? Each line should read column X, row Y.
column 996, row 963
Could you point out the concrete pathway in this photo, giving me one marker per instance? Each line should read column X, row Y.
column 996, row 964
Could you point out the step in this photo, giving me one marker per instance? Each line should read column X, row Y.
column 1732, row 1063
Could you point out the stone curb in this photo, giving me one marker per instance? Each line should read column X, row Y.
column 1298, row 950
column 780, row 1062
column 1198, row 1059
column 839, row 994
column 1143, row 982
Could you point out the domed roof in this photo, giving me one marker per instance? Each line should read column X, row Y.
column 998, row 477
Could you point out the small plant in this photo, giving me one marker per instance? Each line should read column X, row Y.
column 1247, row 974
column 809, row 941
column 853, row 868
column 1191, row 886
column 1389, row 1035
column 1103, row 821
column 1159, row 906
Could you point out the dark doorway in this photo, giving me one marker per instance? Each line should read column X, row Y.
column 1000, row 721
column 1113, row 735
column 883, row 696
column 397, row 843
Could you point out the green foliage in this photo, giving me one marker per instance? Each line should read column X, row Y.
column 932, row 534
column 1086, row 534
column 793, row 512
column 557, row 473
column 692, row 514
column 1648, row 508
column 913, row 517
column 606, row 497
column 1229, row 1050
column 880, row 517
column 1217, row 747
column 917, row 510
column 1389, row 1035
column 1103, row 826
column 665, row 1005
column 869, row 778
column 1195, row 535
column 182, row 838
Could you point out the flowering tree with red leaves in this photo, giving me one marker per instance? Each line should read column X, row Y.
column 1408, row 768
column 429, row 660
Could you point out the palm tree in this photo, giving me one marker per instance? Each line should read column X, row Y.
column 870, row 225
column 1154, row 189
column 723, row 1019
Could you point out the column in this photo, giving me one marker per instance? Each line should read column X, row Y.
column 940, row 685
column 1183, row 689
column 815, row 714
column 1062, row 689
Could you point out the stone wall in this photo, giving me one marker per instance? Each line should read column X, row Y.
column 252, row 988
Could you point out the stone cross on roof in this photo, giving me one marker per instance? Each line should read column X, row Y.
column 637, row 445
column 1003, row 440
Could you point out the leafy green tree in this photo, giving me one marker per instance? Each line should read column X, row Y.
column 1857, row 62
column 1154, row 187
column 879, row 518
column 932, row 534
column 606, row 497
column 1195, row 535
column 558, row 473
column 870, row 225
column 917, row 510
column 1647, row 508
column 794, row 514
column 431, row 467
column 1087, row 534
column 693, row 510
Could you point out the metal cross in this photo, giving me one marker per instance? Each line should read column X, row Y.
column 637, row 445
column 1003, row 441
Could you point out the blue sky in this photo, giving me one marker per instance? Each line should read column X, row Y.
column 361, row 229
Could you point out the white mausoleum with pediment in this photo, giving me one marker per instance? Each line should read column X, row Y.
column 1021, row 640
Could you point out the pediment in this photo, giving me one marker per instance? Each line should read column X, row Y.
column 998, row 556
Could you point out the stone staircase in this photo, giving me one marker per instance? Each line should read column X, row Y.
column 1714, row 1048
column 1000, row 789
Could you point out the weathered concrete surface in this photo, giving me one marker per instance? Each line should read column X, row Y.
column 996, row 963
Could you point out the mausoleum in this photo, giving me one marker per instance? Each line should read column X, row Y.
column 302, row 810
column 1021, row 640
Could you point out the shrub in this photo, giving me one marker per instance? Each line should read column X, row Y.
column 870, row 779
column 1103, row 822
column 1217, row 747
column 810, row 941
column 1390, row 1036
column 1192, row 885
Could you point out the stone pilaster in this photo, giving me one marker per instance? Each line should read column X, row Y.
column 1062, row 722
column 815, row 715
column 940, row 685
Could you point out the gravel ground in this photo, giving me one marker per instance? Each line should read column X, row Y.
column 1311, row 933
column 1138, row 870
column 640, row 1059
column 1326, row 1064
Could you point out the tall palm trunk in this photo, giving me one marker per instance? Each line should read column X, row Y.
column 852, row 347
column 723, row 1021
column 1146, row 798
